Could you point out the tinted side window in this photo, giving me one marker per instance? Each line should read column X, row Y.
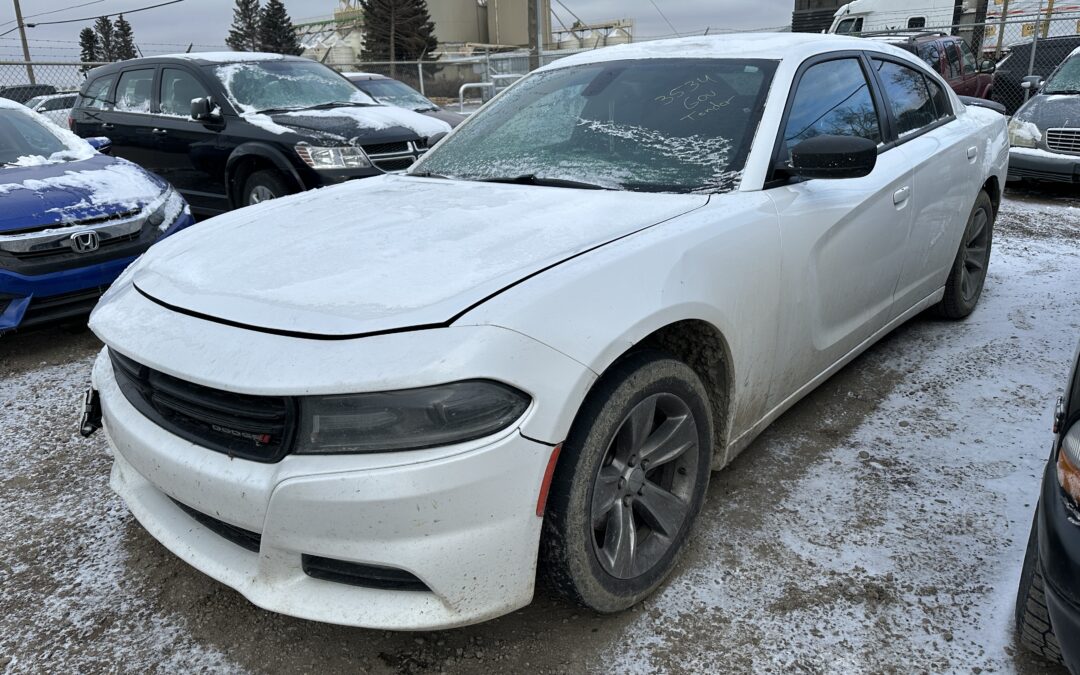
column 969, row 59
column 907, row 96
column 931, row 55
column 833, row 98
column 955, row 68
column 940, row 98
column 97, row 94
column 58, row 104
column 134, row 91
column 178, row 88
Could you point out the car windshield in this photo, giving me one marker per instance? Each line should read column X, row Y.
column 392, row 92
column 33, row 103
column 657, row 125
column 267, row 86
column 26, row 139
column 1066, row 80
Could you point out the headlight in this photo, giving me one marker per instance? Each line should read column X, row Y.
column 347, row 157
column 1069, row 463
column 409, row 419
column 1024, row 134
column 166, row 209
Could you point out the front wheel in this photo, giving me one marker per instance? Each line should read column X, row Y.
column 264, row 185
column 630, row 483
column 965, row 284
column 1032, row 616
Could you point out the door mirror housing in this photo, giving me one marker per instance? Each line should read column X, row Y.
column 101, row 143
column 834, row 157
column 434, row 139
column 987, row 66
column 202, row 109
column 1032, row 82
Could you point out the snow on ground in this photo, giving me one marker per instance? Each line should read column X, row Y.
column 877, row 527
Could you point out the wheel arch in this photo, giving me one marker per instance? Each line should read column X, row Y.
column 992, row 187
column 251, row 157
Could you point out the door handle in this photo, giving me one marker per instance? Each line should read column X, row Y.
column 160, row 132
column 973, row 152
column 107, row 125
column 901, row 195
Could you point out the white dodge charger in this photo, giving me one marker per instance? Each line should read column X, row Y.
column 390, row 402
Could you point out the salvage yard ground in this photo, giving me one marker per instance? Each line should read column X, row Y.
column 878, row 526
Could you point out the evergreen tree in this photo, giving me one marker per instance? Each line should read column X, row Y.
column 244, row 32
column 398, row 30
column 88, row 47
column 124, row 39
column 106, row 38
column 276, row 32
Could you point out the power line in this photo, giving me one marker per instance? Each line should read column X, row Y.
column 30, row 16
column 663, row 16
column 92, row 18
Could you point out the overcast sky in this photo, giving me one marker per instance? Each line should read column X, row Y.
column 206, row 22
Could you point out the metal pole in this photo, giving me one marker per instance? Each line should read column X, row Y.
column 25, row 46
column 1001, row 30
column 420, row 73
column 1046, row 24
column 534, row 34
column 1034, row 47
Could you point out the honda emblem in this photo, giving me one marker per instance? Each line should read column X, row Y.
column 85, row 242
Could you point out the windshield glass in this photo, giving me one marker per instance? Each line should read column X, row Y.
column 286, row 85
column 1066, row 80
column 657, row 125
column 33, row 103
column 392, row 92
column 27, row 140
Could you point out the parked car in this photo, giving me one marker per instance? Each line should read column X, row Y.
column 1048, row 600
column 71, row 219
column 1010, row 73
column 234, row 129
column 950, row 57
column 1045, row 132
column 389, row 91
column 375, row 404
column 21, row 93
column 54, row 107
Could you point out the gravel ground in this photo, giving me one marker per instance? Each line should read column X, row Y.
column 878, row 526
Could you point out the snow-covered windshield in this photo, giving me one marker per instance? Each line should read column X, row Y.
column 655, row 125
column 392, row 92
column 26, row 139
column 1066, row 80
column 269, row 86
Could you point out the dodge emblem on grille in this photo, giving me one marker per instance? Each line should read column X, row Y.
column 85, row 242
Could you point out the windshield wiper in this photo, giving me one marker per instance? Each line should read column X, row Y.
column 533, row 179
column 428, row 174
column 336, row 104
column 1068, row 92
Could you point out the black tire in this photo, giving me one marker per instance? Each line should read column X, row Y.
column 1032, row 618
column 264, row 185
column 582, row 553
column 964, row 286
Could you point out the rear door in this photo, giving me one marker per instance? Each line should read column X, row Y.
column 843, row 240
column 129, row 123
column 942, row 152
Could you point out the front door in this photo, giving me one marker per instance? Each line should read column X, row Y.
column 843, row 240
column 129, row 123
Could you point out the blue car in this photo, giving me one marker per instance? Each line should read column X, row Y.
column 71, row 219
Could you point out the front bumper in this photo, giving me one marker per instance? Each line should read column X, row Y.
column 1036, row 164
column 1059, row 552
column 461, row 519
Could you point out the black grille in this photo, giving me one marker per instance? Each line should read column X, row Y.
column 259, row 428
column 355, row 574
column 386, row 148
column 237, row 535
column 395, row 164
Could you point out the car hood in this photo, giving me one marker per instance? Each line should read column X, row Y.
column 384, row 254
column 60, row 193
column 1051, row 111
column 377, row 124
column 450, row 117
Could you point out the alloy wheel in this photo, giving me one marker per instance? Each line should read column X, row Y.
column 976, row 254
column 260, row 193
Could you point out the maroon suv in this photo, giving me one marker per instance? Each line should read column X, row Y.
column 950, row 56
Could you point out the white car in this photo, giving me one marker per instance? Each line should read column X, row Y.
column 55, row 107
column 375, row 404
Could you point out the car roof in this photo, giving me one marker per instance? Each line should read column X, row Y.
column 59, row 94
column 366, row 76
column 196, row 58
column 769, row 46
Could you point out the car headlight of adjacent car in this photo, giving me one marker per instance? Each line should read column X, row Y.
column 1069, row 462
column 344, row 157
column 1023, row 134
column 409, row 419
column 166, row 209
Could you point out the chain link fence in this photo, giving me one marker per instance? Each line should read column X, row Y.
column 20, row 78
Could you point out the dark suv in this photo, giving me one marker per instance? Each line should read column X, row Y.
column 1048, row 602
column 1049, row 53
column 233, row 129
column 21, row 93
column 951, row 57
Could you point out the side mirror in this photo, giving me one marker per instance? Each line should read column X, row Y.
column 434, row 139
column 987, row 66
column 834, row 157
column 101, row 144
column 202, row 109
column 1032, row 82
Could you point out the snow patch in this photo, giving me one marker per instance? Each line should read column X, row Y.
column 122, row 183
column 382, row 117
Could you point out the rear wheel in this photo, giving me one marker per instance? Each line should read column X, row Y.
column 264, row 185
column 1032, row 617
column 630, row 483
column 964, row 286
